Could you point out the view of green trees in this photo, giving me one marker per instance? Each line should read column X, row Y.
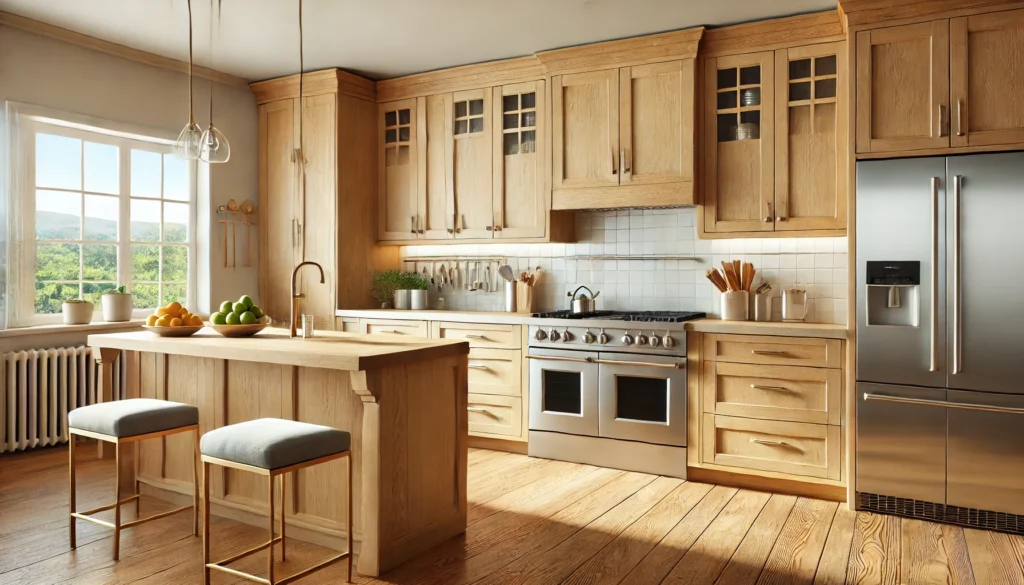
column 57, row 262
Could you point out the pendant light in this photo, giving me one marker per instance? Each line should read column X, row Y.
column 214, row 146
column 187, row 145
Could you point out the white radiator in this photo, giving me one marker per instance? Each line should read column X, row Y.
column 39, row 386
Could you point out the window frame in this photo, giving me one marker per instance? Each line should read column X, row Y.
column 21, row 304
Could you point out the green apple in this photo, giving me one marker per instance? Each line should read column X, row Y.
column 247, row 318
column 226, row 307
column 239, row 308
column 245, row 300
column 256, row 311
column 233, row 319
column 218, row 319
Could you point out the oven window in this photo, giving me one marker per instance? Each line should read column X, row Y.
column 562, row 392
column 643, row 399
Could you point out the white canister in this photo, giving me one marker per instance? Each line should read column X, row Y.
column 418, row 300
column 735, row 305
column 403, row 299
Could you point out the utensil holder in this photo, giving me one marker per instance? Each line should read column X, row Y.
column 794, row 305
column 510, row 297
column 735, row 305
column 763, row 307
column 418, row 300
column 526, row 301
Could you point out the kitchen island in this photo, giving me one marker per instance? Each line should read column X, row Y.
column 402, row 399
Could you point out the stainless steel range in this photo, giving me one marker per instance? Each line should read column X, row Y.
column 609, row 388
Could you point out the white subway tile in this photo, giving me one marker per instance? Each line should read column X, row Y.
column 823, row 260
column 805, row 260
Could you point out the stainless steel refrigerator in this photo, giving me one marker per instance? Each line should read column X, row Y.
column 940, row 338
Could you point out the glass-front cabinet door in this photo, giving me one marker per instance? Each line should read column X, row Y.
column 739, row 139
column 471, row 160
column 398, row 218
column 519, row 198
column 810, row 141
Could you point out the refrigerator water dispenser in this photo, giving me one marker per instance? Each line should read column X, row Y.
column 893, row 292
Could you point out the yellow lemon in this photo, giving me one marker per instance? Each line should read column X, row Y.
column 151, row 320
column 164, row 321
column 176, row 322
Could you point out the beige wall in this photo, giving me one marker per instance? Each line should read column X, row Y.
column 44, row 72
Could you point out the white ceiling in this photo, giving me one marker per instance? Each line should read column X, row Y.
column 258, row 39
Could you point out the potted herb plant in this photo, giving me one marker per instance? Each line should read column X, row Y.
column 385, row 284
column 117, row 305
column 417, row 286
column 77, row 312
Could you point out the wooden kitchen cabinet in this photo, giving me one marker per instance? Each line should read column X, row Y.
column 623, row 137
column 520, row 160
column 399, row 215
column 775, row 143
column 316, row 201
column 435, row 201
column 903, row 87
column 472, row 159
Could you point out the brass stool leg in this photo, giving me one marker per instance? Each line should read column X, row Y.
column 270, row 529
column 206, row 522
column 284, row 507
column 138, row 484
column 195, row 485
column 117, row 501
column 350, row 554
column 71, row 487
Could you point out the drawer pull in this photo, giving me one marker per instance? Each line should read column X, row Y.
column 474, row 336
column 478, row 367
column 768, row 352
column 395, row 331
column 482, row 410
column 944, row 404
column 773, row 388
column 769, row 442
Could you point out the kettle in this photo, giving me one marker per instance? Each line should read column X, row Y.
column 581, row 303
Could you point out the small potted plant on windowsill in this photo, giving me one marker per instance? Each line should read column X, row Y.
column 117, row 305
column 77, row 312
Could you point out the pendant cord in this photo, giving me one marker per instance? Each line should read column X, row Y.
column 191, row 116
column 301, row 68
column 211, row 54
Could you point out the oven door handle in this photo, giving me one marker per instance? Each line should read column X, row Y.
column 551, row 358
column 675, row 366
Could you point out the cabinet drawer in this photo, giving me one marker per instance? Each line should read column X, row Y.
column 495, row 371
column 393, row 326
column 481, row 335
column 780, row 351
column 784, row 447
column 792, row 393
column 495, row 415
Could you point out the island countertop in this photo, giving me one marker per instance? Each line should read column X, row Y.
column 328, row 350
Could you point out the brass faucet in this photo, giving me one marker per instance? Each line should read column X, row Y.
column 297, row 297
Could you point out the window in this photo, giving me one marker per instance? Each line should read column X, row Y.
column 99, row 209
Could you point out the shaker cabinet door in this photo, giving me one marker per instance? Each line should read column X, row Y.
column 585, row 112
column 278, row 201
column 655, row 121
column 471, row 159
column 317, row 234
column 397, row 172
column 436, row 197
column 520, row 196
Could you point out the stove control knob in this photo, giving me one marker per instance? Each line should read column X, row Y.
column 667, row 341
column 627, row 339
column 603, row 338
column 588, row 337
column 540, row 335
column 641, row 339
column 567, row 336
column 554, row 335
column 655, row 341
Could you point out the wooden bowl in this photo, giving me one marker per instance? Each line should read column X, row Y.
column 239, row 330
column 181, row 331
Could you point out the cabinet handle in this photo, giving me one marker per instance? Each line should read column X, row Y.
column 489, row 228
column 294, row 230
column 780, row 218
column 943, row 404
column 768, row 219
column 773, row 388
column 451, row 231
column 769, row 442
column 767, row 352
column 395, row 331
column 958, row 365
column 412, row 222
column 474, row 336
column 627, row 156
column 959, row 113
column 942, row 119
column 615, row 168
column 475, row 409
column 933, row 365
column 477, row 366
column 420, row 221
column 768, row 216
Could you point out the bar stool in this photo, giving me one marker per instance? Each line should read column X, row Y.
column 272, row 447
column 130, row 421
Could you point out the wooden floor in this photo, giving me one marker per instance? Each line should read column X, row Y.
column 531, row 521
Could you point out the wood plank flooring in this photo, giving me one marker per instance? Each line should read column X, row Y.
column 531, row 521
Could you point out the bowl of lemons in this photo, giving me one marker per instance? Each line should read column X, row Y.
column 239, row 318
column 174, row 320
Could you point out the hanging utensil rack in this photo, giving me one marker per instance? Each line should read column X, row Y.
column 642, row 257
column 231, row 216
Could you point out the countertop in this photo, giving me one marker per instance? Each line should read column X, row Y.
column 821, row 330
column 328, row 350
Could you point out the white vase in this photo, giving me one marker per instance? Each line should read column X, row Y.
column 77, row 313
column 117, row 308
column 418, row 300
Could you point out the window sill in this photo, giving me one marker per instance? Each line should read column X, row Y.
column 93, row 327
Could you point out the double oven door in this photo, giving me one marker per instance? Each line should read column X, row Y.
column 611, row 395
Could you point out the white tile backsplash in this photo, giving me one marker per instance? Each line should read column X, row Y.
column 817, row 265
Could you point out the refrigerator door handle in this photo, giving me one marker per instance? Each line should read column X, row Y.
column 943, row 403
column 933, row 364
column 957, row 288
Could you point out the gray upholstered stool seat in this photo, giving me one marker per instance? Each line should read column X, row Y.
column 134, row 416
column 273, row 443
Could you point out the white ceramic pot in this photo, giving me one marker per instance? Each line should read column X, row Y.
column 117, row 308
column 418, row 300
column 77, row 313
column 402, row 299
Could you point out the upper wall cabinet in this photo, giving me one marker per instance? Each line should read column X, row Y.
column 520, row 161
column 399, row 217
column 950, row 83
column 624, row 137
column 775, row 143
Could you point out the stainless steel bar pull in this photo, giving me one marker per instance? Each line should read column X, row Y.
column 773, row 388
column 943, row 403
column 958, row 365
column 933, row 358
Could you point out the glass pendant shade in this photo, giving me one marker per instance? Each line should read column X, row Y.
column 215, row 147
column 189, row 142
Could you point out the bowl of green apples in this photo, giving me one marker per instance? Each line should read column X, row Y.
column 239, row 318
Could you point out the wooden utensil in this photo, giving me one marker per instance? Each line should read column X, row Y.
column 716, row 279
